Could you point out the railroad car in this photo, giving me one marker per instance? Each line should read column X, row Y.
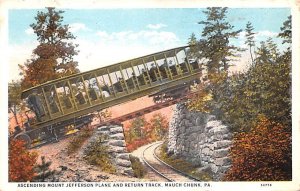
column 68, row 102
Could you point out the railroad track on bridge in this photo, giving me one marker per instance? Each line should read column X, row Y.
column 162, row 169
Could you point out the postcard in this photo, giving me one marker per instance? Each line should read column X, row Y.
column 195, row 95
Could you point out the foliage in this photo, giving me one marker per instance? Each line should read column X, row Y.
column 136, row 143
column 137, row 167
column 263, row 154
column 157, row 127
column 183, row 165
column 201, row 100
column 215, row 46
column 250, row 38
column 286, row 31
column 97, row 154
column 192, row 40
column 21, row 162
column 53, row 57
column 267, row 52
column 286, row 34
column 104, row 115
column 79, row 139
column 135, row 129
column 43, row 170
column 141, row 132
column 240, row 98
column 264, row 89
column 14, row 98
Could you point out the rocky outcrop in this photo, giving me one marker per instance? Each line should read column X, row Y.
column 115, row 142
column 201, row 139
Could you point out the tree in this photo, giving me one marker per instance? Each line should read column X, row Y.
column 157, row 127
column 43, row 170
column 53, row 57
column 286, row 31
column 215, row 45
column 136, row 127
column 238, row 99
column 14, row 98
column 263, row 154
column 250, row 39
column 192, row 39
column 286, row 34
column 267, row 52
column 21, row 162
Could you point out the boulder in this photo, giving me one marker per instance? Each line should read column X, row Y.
column 118, row 136
column 123, row 163
column 124, row 156
column 120, row 143
column 221, row 153
column 223, row 161
column 222, row 144
column 117, row 129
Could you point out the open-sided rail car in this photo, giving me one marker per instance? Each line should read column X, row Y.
column 77, row 95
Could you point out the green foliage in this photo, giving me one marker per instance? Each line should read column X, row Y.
column 192, row 40
column 261, row 148
column 183, row 165
column 53, row 57
column 157, row 127
column 286, row 31
column 137, row 127
column 215, row 46
column 43, row 170
column 238, row 99
column 137, row 167
column 250, row 39
column 78, row 140
column 14, row 98
column 267, row 52
column 97, row 154
column 263, row 154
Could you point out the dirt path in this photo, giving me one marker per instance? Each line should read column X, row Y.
column 74, row 168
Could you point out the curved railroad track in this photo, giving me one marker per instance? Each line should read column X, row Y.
column 162, row 169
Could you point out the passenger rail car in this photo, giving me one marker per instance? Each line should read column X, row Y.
column 77, row 95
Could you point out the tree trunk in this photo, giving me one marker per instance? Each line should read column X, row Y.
column 14, row 111
column 251, row 56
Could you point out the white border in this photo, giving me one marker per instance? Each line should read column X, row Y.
column 5, row 5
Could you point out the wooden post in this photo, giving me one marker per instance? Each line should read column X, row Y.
column 111, row 82
column 47, row 103
column 59, row 103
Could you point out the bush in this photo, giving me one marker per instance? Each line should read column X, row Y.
column 78, row 140
column 97, row 154
column 43, row 171
column 137, row 167
column 263, row 154
column 21, row 162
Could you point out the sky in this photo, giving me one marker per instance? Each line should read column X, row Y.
column 107, row 36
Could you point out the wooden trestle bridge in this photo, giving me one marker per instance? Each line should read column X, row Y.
column 69, row 101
